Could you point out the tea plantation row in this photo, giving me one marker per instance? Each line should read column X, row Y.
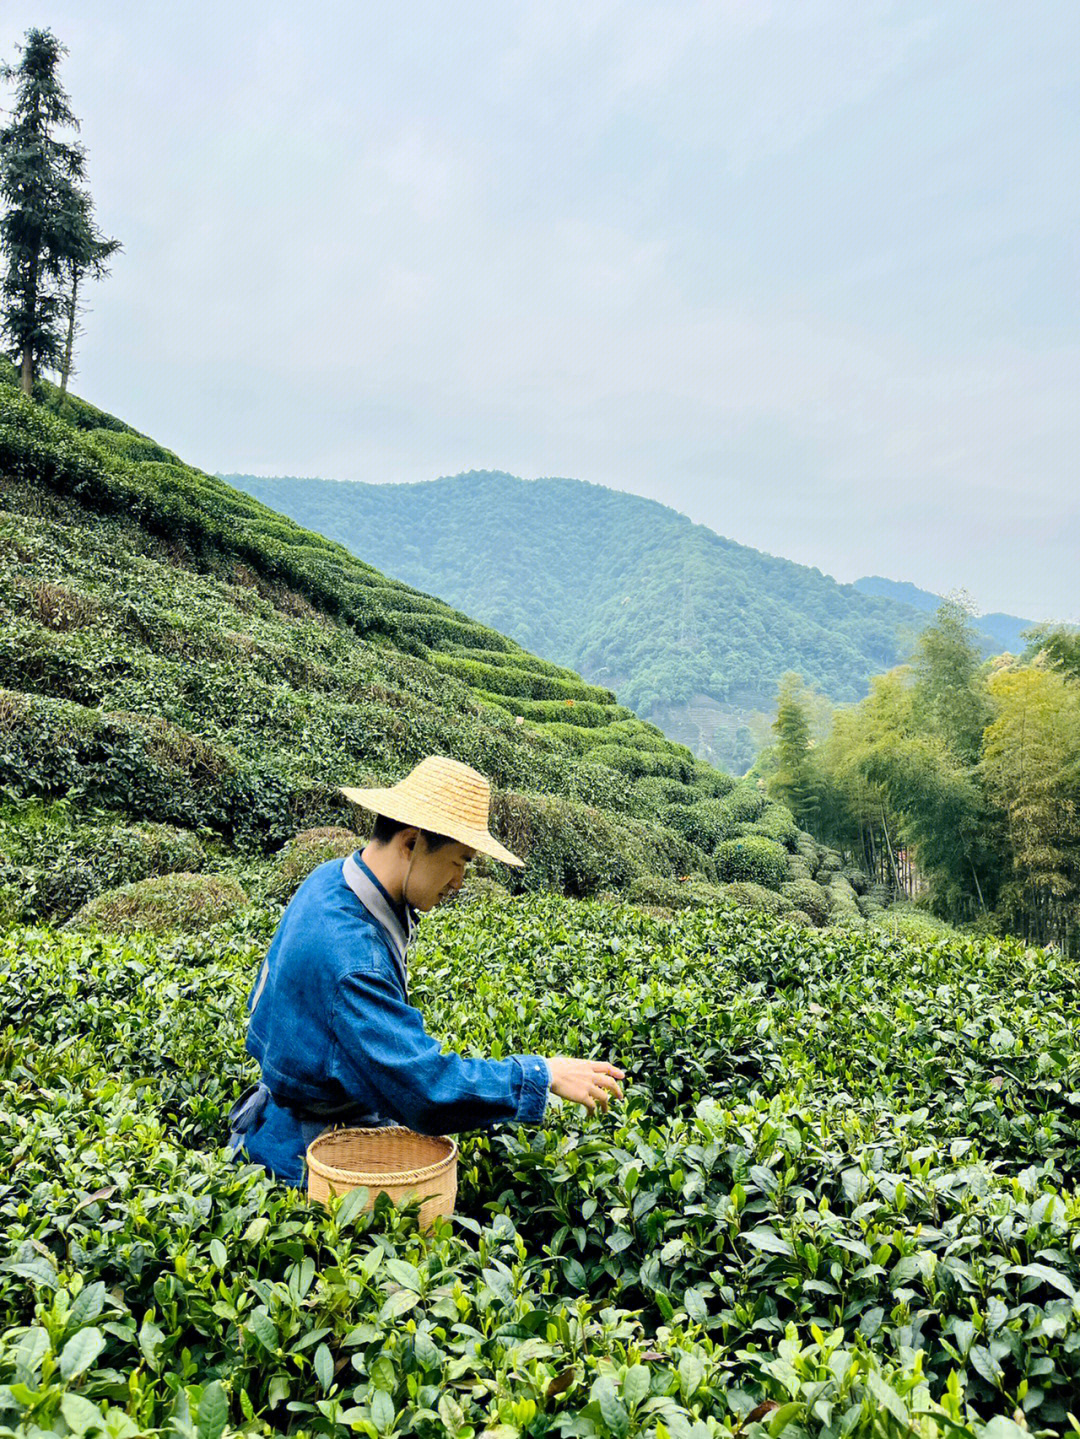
column 839, row 1196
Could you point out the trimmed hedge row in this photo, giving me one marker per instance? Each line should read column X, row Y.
column 50, row 864
column 519, row 658
column 581, row 851
column 527, row 684
column 586, row 714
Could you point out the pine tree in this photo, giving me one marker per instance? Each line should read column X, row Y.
column 44, row 228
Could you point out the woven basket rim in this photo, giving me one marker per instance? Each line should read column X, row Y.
column 380, row 1176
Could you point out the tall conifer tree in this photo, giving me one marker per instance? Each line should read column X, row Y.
column 44, row 228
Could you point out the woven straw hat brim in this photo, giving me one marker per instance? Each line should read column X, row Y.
column 412, row 809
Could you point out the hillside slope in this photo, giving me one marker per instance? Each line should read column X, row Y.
column 174, row 652
column 996, row 632
column 692, row 630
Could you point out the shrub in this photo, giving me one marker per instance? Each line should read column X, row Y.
column 713, row 781
column 745, row 803
column 187, row 903
column 806, row 895
column 504, row 679
column 841, row 892
column 830, row 862
column 671, row 894
column 579, row 714
column 778, row 823
column 857, row 878
column 846, row 919
column 752, row 857
column 987, row 925
column 479, row 888
column 654, row 792
column 580, row 850
column 137, row 851
column 800, row 917
column 748, row 895
column 304, row 852
column 907, row 921
column 706, row 823
column 51, row 862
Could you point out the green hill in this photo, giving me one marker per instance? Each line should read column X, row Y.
column 177, row 656
column 691, row 630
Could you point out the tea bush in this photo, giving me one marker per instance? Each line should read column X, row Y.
column 579, row 850
column 778, row 823
column 306, row 850
column 523, row 683
column 748, row 895
column 51, row 862
column 838, row 1197
column 752, row 857
column 707, row 822
column 585, row 713
column 809, row 896
column 682, row 893
column 800, row 916
column 908, row 920
column 746, row 802
column 162, row 904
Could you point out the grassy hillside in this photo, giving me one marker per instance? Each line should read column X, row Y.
column 175, row 654
column 690, row 629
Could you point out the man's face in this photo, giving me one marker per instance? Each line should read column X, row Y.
column 436, row 874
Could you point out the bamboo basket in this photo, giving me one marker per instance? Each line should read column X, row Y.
column 388, row 1160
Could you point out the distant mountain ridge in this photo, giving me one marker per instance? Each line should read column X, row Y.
column 690, row 629
column 999, row 631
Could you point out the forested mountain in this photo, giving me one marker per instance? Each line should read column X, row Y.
column 994, row 633
column 690, row 629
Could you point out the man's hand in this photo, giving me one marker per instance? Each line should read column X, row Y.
column 590, row 1082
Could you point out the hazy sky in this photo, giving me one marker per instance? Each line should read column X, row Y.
column 806, row 271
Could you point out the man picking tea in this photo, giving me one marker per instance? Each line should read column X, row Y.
column 331, row 1023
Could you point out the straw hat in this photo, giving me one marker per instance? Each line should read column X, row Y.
column 442, row 796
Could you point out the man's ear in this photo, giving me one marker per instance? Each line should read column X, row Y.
column 409, row 839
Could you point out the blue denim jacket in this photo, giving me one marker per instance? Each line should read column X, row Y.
column 338, row 1040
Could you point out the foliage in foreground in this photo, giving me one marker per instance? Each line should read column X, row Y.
column 838, row 1197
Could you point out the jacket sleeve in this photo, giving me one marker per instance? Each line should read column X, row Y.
column 383, row 1054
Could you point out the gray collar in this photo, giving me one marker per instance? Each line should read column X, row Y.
column 375, row 902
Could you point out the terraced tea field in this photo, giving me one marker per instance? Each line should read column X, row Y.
column 837, row 1198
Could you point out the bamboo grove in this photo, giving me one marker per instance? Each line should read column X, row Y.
column 955, row 779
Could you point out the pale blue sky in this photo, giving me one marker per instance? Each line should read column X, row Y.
column 805, row 271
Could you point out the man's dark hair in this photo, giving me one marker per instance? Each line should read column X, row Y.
column 386, row 828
